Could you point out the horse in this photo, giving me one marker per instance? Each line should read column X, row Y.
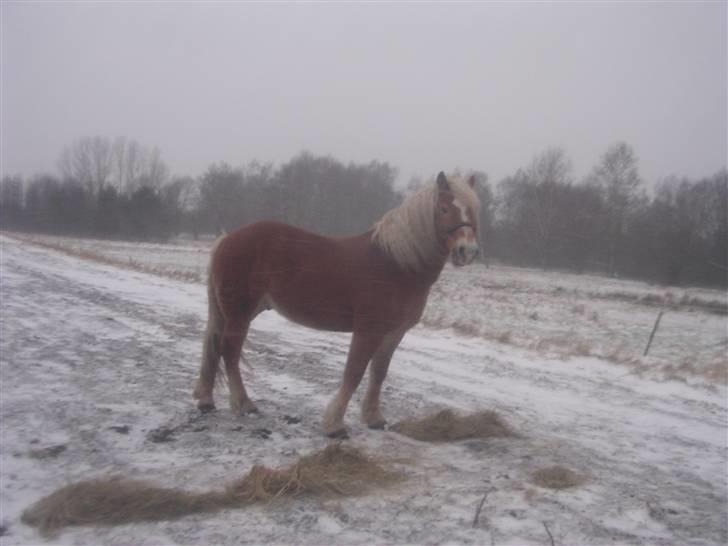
column 374, row 285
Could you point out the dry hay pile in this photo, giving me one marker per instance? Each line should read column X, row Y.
column 114, row 501
column 447, row 426
column 336, row 470
column 557, row 477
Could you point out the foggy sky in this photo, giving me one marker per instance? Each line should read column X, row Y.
column 426, row 87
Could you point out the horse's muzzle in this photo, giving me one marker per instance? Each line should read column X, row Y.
column 464, row 253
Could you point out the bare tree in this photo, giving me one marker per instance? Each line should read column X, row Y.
column 222, row 197
column 155, row 171
column 101, row 159
column 531, row 202
column 178, row 199
column 617, row 177
column 97, row 161
column 75, row 163
column 487, row 206
column 119, row 151
column 88, row 161
column 133, row 165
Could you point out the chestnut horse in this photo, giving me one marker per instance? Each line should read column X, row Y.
column 374, row 285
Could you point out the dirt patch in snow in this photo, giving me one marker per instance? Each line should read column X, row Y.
column 448, row 426
column 335, row 470
column 47, row 452
column 557, row 477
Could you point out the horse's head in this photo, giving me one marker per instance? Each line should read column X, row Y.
column 456, row 219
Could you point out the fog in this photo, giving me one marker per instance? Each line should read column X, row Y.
column 425, row 87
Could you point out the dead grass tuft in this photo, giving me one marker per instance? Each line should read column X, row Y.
column 465, row 328
column 335, row 470
column 447, row 426
column 504, row 337
column 717, row 371
column 582, row 348
column 557, row 477
column 667, row 299
column 47, row 452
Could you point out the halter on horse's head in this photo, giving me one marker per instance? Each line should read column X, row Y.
column 456, row 218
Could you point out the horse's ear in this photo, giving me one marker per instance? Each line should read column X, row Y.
column 472, row 181
column 442, row 183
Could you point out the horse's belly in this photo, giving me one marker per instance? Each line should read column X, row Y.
column 320, row 315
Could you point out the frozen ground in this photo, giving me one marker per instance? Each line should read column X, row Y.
column 97, row 360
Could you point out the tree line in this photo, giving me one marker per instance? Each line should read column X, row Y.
column 608, row 223
column 539, row 216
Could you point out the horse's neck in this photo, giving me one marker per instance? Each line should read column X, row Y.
column 428, row 273
column 431, row 272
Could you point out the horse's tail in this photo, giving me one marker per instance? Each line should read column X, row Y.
column 212, row 341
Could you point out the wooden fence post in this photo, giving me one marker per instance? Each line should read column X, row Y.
column 654, row 329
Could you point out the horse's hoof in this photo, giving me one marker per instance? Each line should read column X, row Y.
column 248, row 410
column 341, row 434
column 243, row 407
column 206, row 407
column 377, row 425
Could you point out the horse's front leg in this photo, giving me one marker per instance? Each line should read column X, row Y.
column 371, row 413
column 363, row 346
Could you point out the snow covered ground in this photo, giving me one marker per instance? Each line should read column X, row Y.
column 98, row 364
column 555, row 313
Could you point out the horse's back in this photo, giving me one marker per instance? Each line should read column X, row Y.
column 278, row 247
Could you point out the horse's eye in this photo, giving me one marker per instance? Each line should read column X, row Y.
column 444, row 210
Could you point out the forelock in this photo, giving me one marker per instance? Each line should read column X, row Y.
column 462, row 191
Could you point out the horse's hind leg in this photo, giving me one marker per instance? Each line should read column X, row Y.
column 233, row 338
column 208, row 370
column 210, row 355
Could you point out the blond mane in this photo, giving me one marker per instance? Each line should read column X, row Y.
column 407, row 233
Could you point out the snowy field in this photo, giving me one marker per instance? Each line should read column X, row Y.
column 98, row 358
column 555, row 314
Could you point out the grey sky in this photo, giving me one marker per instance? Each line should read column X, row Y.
column 426, row 87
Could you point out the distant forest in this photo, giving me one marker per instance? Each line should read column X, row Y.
column 540, row 216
